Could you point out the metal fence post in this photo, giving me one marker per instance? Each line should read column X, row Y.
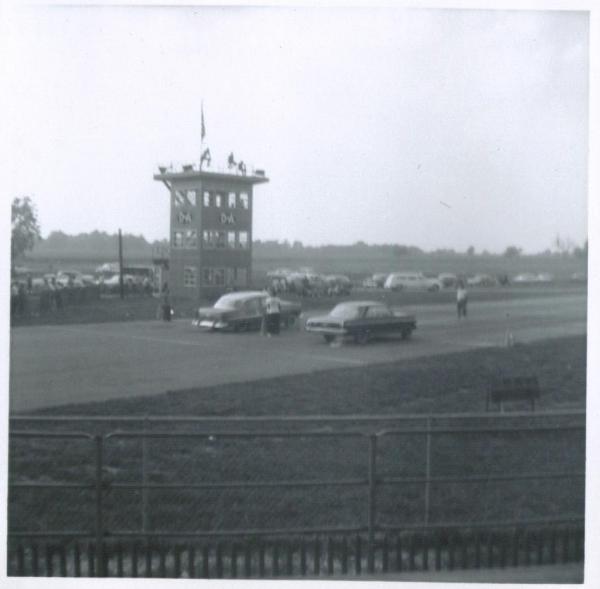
column 427, row 470
column 99, row 515
column 372, row 502
column 144, row 497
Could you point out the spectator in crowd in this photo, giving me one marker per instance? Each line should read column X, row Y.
column 165, row 301
column 46, row 295
column 56, row 296
column 14, row 297
column 461, row 299
column 21, row 300
column 273, row 312
column 305, row 286
column 146, row 286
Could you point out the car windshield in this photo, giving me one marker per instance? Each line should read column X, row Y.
column 345, row 311
column 230, row 301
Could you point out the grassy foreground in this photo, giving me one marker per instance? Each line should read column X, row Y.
column 452, row 383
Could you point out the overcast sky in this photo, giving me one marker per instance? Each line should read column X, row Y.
column 434, row 128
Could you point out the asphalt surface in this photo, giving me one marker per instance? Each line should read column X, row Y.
column 56, row 365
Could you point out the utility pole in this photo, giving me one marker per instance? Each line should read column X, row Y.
column 121, row 291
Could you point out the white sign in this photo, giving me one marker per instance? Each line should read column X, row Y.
column 185, row 218
column 227, row 218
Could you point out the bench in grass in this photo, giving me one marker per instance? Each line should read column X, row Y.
column 523, row 388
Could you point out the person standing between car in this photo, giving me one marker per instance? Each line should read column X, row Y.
column 461, row 299
column 263, row 312
column 273, row 311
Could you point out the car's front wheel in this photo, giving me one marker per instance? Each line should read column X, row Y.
column 405, row 333
column 328, row 337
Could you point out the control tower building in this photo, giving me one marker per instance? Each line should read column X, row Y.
column 210, row 230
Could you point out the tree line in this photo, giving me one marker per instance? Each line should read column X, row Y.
column 26, row 237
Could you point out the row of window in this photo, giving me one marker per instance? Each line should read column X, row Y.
column 211, row 239
column 233, row 200
column 215, row 276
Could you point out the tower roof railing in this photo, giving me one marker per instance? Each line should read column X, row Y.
column 182, row 167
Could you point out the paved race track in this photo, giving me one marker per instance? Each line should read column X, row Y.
column 55, row 365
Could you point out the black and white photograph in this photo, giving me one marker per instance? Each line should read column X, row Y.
column 298, row 292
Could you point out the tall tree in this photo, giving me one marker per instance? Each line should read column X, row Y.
column 25, row 228
column 512, row 251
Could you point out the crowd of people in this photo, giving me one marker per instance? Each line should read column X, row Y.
column 49, row 298
column 46, row 296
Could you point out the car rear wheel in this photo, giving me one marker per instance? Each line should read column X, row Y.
column 406, row 333
column 328, row 337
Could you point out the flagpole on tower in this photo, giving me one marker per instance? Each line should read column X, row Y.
column 204, row 155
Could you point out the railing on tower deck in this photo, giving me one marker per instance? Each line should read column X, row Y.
column 181, row 167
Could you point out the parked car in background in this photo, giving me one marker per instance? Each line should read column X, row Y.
column 338, row 284
column 242, row 311
column 411, row 281
column 375, row 281
column 448, row 280
column 362, row 320
column 70, row 278
column 279, row 273
column 545, row 277
column 112, row 284
column 481, row 280
column 525, row 278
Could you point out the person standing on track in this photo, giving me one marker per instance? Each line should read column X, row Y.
column 273, row 313
column 461, row 299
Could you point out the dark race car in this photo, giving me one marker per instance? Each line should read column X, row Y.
column 242, row 311
column 362, row 320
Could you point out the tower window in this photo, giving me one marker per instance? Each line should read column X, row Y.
column 244, row 200
column 189, row 275
column 190, row 239
column 209, row 238
column 178, row 239
column 219, row 276
column 191, row 197
column 184, row 198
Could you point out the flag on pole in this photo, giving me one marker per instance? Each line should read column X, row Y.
column 202, row 128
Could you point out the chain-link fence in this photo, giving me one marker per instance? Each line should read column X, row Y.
column 157, row 481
